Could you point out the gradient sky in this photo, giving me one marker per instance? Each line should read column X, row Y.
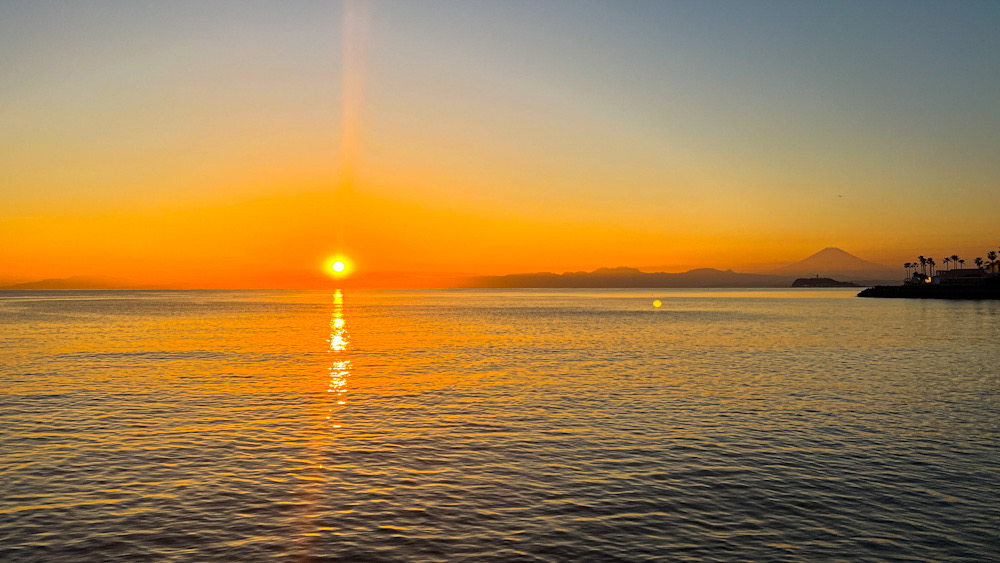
column 241, row 144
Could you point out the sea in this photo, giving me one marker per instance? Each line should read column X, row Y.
column 498, row 425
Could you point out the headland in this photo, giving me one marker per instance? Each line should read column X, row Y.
column 981, row 282
column 932, row 291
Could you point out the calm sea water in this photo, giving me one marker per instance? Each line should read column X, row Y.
column 497, row 426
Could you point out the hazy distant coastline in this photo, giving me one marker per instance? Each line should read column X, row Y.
column 74, row 282
column 631, row 277
column 829, row 263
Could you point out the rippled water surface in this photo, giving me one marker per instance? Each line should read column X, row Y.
column 497, row 425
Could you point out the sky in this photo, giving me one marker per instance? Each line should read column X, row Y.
column 244, row 144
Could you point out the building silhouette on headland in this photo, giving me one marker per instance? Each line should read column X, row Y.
column 961, row 276
column 956, row 276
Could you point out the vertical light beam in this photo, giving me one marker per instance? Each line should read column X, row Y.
column 354, row 51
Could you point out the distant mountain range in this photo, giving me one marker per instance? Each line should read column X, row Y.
column 630, row 277
column 828, row 263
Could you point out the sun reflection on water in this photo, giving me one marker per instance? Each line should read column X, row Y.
column 340, row 368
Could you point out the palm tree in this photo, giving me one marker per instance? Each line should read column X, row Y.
column 992, row 255
column 954, row 259
column 961, row 264
column 923, row 265
column 946, row 260
column 979, row 262
column 907, row 266
column 930, row 262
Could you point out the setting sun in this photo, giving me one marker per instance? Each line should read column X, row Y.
column 338, row 266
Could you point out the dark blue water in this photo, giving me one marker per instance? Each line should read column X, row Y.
column 497, row 426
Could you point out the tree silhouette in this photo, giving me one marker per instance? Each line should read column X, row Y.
column 923, row 265
column 954, row 259
column 930, row 262
column 979, row 262
column 946, row 261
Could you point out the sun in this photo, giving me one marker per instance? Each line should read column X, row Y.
column 337, row 266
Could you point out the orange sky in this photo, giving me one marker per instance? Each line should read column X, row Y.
column 215, row 147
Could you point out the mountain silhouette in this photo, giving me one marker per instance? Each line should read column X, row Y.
column 835, row 263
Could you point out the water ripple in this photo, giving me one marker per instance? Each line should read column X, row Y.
column 496, row 426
